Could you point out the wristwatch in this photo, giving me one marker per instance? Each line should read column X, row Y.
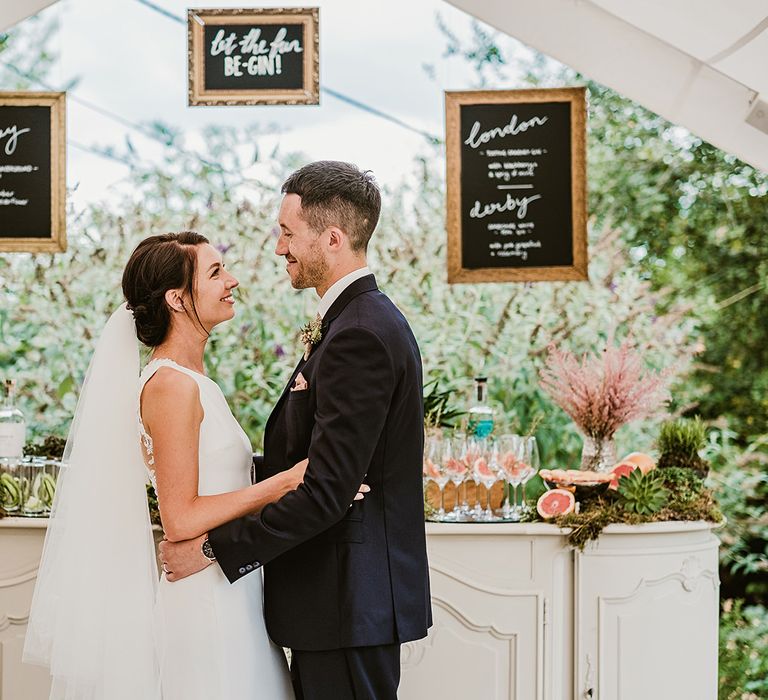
column 207, row 550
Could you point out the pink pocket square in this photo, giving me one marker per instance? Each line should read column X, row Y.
column 299, row 384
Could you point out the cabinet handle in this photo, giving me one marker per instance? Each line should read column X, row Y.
column 589, row 693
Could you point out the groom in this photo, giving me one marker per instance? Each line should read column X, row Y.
column 344, row 585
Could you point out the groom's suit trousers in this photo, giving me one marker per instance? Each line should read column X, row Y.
column 356, row 673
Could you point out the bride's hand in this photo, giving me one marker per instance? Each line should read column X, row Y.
column 296, row 477
column 296, row 474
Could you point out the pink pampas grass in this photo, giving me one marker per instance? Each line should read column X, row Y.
column 601, row 393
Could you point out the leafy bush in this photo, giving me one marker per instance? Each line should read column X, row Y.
column 54, row 306
column 692, row 217
column 743, row 667
column 741, row 483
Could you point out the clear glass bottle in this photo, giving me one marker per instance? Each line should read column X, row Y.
column 480, row 412
column 13, row 426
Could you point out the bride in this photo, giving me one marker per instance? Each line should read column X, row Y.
column 100, row 620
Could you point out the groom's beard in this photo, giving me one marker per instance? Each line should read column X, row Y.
column 312, row 271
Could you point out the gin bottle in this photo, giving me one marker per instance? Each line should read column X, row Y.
column 13, row 427
column 480, row 413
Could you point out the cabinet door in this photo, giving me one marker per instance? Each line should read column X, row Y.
column 647, row 619
column 20, row 551
column 485, row 643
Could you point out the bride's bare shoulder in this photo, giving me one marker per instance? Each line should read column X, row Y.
column 169, row 390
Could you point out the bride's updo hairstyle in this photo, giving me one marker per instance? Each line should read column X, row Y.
column 160, row 263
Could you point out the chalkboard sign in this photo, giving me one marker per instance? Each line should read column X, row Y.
column 253, row 56
column 32, row 172
column 516, row 185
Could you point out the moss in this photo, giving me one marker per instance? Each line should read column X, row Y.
column 587, row 524
column 681, row 479
column 688, row 500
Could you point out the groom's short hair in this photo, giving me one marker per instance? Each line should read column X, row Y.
column 334, row 193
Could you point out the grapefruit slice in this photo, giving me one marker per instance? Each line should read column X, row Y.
column 555, row 502
column 481, row 467
column 621, row 470
column 430, row 469
column 642, row 460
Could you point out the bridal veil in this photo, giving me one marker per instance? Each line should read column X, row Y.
column 92, row 618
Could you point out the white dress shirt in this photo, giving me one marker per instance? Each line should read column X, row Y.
column 335, row 290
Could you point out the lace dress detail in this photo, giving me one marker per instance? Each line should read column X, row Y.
column 146, row 439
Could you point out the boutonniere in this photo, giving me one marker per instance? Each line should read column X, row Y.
column 311, row 334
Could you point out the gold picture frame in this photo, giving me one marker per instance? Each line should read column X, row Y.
column 576, row 98
column 200, row 94
column 56, row 242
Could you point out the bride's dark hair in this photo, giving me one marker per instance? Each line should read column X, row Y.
column 159, row 263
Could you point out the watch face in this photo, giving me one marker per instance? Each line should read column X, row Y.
column 208, row 550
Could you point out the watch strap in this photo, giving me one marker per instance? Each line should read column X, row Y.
column 207, row 549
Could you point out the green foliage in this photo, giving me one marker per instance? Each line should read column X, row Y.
column 56, row 305
column 680, row 443
column 154, row 508
column 689, row 497
column 692, row 217
column 438, row 409
column 693, row 220
column 643, row 494
column 740, row 479
column 26, row 53
column 51, row 447
column 681, row 480
column 743, row 662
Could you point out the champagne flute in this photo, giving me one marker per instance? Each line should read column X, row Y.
column 460, row 449
column 507, row 446
column 433, row 470
column 515, row 476
column 457, row 472
column 533, row 461
column 473, row 450
column 485, row 471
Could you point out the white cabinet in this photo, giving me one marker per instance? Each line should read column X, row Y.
column 501, row 600
column 647, row 614
column 519, row 615
column 21, row 544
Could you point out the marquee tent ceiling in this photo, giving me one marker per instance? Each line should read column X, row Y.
column 13, row 11
column 702, row 64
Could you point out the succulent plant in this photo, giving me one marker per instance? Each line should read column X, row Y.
column 643, row 494
column 680, row 442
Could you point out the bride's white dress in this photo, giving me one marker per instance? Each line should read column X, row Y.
column 211, row 638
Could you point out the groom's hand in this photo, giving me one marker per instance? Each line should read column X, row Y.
column 182, row 559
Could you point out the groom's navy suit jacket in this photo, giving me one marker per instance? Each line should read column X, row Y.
column 338, row 576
